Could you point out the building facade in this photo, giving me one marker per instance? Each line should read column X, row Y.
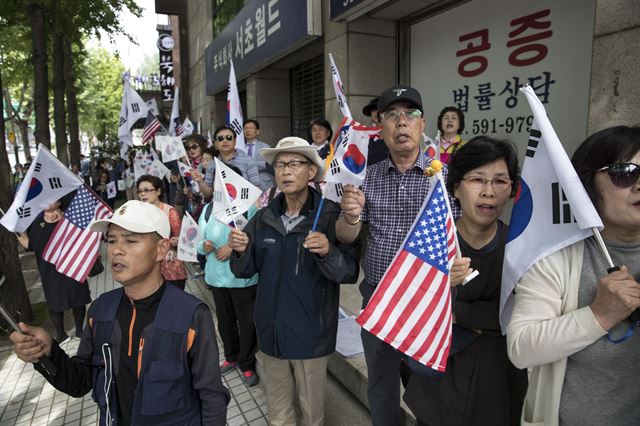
column 580, row 56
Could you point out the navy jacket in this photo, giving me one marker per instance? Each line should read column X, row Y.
column 296, row 309
column 172, row 380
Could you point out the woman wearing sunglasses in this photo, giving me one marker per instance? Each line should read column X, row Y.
column 224, row 140
column 573, row 321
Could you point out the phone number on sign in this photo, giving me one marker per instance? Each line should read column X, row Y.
column 509, row 125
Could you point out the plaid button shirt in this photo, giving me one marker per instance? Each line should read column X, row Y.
column 393, row 200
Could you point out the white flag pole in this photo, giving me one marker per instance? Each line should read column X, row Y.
column 436, row 168
column 611, row 267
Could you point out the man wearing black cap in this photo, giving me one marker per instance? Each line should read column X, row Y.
column 377, row 149
column 391, row 196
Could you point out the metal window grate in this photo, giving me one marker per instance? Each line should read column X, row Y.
column 307, row 94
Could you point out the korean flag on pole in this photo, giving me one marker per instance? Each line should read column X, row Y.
column 185, row 171
column 159, row 170
column 234, row 110
column 190, row 236
column 349, row 163
column 174, row 121
column 173, row 149
column 133, row 109
column 112, row 191
column 551, row 211
column 232, row 194
column 46, row 181
column 338, row 88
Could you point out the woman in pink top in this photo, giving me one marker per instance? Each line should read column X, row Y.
column 150, row 191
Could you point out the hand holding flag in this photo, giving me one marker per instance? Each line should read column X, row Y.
column 348, row 166
column 232, row 194
column 545, row 217
column 46, row 181
column 411, row 307
column 72, row 247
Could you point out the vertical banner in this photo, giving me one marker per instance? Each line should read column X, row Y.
column 165, row 48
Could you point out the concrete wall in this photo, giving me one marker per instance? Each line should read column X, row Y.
column 200, row 34
column 615, row 87
column 268, row 101
column 365, row 53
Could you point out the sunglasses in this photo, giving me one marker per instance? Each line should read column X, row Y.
column 190, row 147
column 622, row 175
column 227, row 137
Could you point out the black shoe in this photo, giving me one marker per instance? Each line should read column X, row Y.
column 250, row 378
column 227, row 367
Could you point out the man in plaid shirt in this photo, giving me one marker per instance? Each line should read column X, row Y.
column 390, row 199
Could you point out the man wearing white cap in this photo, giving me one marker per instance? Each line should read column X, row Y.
column 296, row 308
column 147, row 349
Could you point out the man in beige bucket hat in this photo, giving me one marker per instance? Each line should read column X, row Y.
column 296, row 310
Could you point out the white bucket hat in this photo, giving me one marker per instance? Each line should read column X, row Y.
column 293, row 144
column 138, row 217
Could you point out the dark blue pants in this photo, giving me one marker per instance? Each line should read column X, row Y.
column 383, row 370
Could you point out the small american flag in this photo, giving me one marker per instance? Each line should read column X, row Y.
column 151, row 127
column 72, row 247
column 411, row 307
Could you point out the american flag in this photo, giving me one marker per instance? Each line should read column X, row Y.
column 151, row 127
column 72, row 247
column 411, row 307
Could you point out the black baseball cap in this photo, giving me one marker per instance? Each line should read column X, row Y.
column 397, row 94
column 373, row 104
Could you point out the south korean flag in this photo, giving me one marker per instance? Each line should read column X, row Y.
column 133, row 108
column 232, row 194
column 46, row 181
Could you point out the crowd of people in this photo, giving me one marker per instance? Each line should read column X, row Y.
column 148, row 350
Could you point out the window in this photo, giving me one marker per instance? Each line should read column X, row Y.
column 307, row 95
column 223, row 12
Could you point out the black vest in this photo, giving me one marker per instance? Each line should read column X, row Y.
column 164, row 394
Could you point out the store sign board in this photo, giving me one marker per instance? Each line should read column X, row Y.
column 262, row 30
column 479, row 62
column 338, row 7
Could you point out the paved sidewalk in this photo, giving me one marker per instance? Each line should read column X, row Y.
column 27, row 399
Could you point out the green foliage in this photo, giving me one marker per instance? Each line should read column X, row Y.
column 100, row 93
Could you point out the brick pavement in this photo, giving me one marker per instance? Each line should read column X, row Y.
column 27, row 399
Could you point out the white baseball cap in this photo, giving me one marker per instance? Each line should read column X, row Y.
column 138, row 217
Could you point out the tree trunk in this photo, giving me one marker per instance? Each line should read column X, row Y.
column 72, row 103
column 40, row 73
column 23, row 128
column 13, row 293
column 58, row 100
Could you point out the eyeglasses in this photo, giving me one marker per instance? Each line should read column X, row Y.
column 394, row 115
column 227, row 137
column 190, row 147
column 499, row 183
column 146, row 190
column 622, row 175
column 293, row 165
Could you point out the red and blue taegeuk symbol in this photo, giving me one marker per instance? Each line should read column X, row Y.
column 35, row 188
column 192, row 233
column 354, row 160
column 231, row 190
column 522, row 211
